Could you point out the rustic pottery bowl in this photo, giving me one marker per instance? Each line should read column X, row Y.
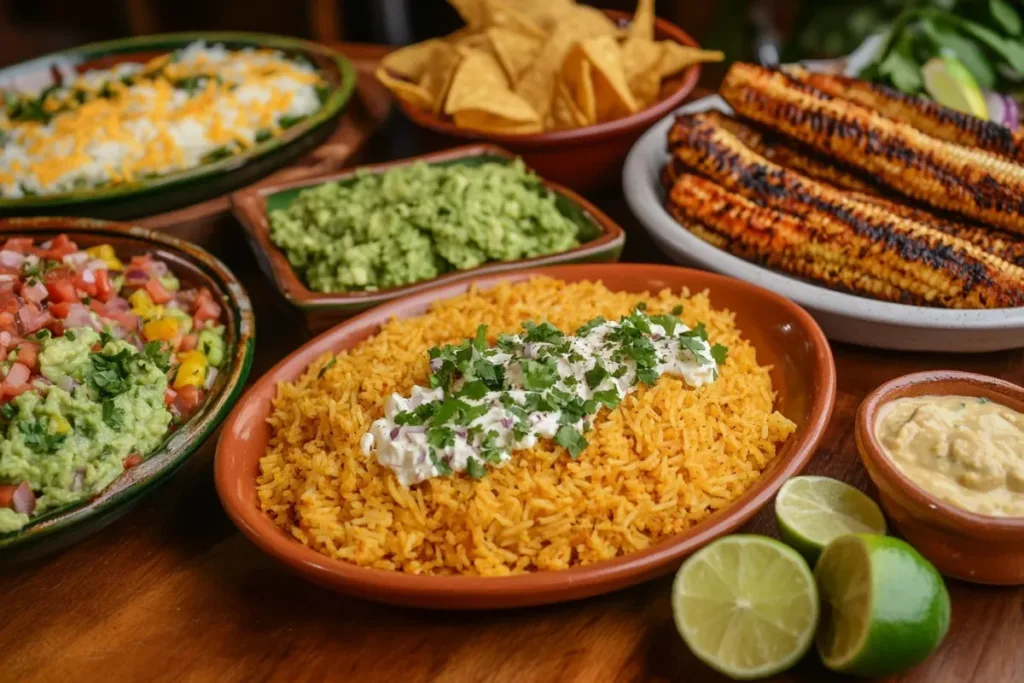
column 785, row 336
column 961, row 544
column 602, row 239
column 195, row 267
column 583, row 158
column 174, row 190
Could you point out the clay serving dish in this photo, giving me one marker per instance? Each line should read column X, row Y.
column 195, row 267
column 170, row 191
column 601, row 238
column 961, row 544
column 785, row 336
column 583, row 158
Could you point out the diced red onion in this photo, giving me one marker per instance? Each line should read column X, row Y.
column 158, row 268
column 46, row 245
column 11, row 259
column 35, row 293
column 80, row 316
column 17, row 375
column 507, row 422
column 1002, row 109
column 529, row 351
column 118, row 305
column 135, row 277
column 32, row 319
column 88, row 276
column 5, row 339
column 78, row 479
column 23, row 500
column 394, row 433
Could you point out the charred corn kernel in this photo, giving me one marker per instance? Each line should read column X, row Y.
column 164, row 329
column 105, row 253
column 811, row 229
column 192, row 371
column 59, row 425
column 971, row 182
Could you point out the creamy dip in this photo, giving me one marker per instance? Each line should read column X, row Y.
column 485, row 402
column 967, row 451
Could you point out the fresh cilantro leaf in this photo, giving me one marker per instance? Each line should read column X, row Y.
column 571, row 440
column 439, row 464
column 440, row 437
column 489, row 373
column 699, row 332
column 327, row 366
column 70, row 335
column 105, row 338
column 37, row 436
column 474, row 468
column 608, row 397
column 473, row 390
column 667, row 321
column 586, row 329
column 641, row 306
column 507, row 342
column 545, row 332
column 538, row 375
column 596, row 375
column 647, row 375
column 677, row 310
column 7, row 410
column 480, row 341
column 42, row 335
column 719, row 353
column 159, row 354
column 112, row 415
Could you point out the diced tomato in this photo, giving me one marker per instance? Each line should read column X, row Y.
column 60, row 309
column 127, row 320
column 28, row 354
column 62, row 290
column 189, row 342
column 60, row 247
column 22, row 245
column 16, row 380
column 9, row 303
column 132, row 460
column 7, row 495
column 82, row 285
column 206, row 308
column 142, row 262
column 187, row 400
column 169, row 396
column 157, row 292
column 7, row 323
column 56, row 327
column 104, row 290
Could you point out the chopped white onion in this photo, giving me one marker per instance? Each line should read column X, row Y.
column 11, row 259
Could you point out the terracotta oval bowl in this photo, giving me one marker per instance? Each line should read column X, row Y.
column 784, row 335
column 961, row 544
column 196, row 267
column 583, row 158
column 601, row 238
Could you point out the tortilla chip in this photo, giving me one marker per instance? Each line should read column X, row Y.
column 410, row 93
column 676, row 57
column 410, row 61
column 480, row 84
column 436, row 79
column 564, row 111
column 577, row 75
column 515, row 51
column 501, row 14
column 640, row 62
column 537, row 84
column 611, row 92
column 487, row 122
column 472, row 12
column 546, row 13
column 642, row 25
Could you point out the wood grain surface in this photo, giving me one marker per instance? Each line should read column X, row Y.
column 172, row 592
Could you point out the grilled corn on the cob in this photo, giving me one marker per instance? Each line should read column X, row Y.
column 927, row 265
column 927, row 116
column 972, row 183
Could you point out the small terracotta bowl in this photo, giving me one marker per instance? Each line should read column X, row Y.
column 585, row 158
column 962, row 545
column 601, row 239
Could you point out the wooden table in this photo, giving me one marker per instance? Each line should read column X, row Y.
column 174, row 593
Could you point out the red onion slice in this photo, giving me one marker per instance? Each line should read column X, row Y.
column 23, row 500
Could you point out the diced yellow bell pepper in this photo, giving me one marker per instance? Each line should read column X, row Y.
column 164, row 329
column 192, row 371
column 106, row 253
column 60, row 425
column 143, row 306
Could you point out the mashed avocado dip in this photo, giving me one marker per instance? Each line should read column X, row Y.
column 70, row 439
column 417, row 222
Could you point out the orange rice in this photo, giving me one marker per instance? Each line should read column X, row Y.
column 663, row 460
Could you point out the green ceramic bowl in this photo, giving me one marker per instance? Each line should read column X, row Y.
column 601, row 238
column 60, row 528
column 172, row 191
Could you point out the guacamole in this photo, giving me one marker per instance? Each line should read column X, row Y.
column 71, row 444
column 417, row 222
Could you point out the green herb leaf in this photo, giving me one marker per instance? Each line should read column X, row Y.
column 946, row 38
column 677, row 310
column 1010, row 50
column 480, row 341
column 1006, row 16
column 473, row 390
column 69, row 335
column 571, row 440
column 7, row 411
column 327, row 366
column 588, row 327
column 719, row 353
column 596, row 374
column 159, row 354
column 474, row 468
column 538, row 375
column 608, row 397
column 442, row 467
column 542, row 333
column 38, row 436
column 112, row 415
column 669, row 322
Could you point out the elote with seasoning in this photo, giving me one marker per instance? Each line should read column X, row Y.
column 817, row 231
column 972, row 183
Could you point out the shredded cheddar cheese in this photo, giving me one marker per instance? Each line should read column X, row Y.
column 135, row 121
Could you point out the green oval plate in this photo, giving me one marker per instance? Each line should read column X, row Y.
column 175, row 190
column 197, row 267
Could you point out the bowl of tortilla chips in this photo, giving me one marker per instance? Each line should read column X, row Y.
column 566, row 86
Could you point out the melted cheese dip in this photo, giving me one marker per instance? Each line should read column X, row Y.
column 967, row 451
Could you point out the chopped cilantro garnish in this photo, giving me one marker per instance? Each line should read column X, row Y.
column 7, row 410
column 159, row 354
column 42, row 335
column 480, row 341
column 571, row 440
column 608, row 397
column 473, row 390
column 38, row 436
column 596, row 374
column 112, row 415
column 677, row 310
column 538, row 375
column 439, row 464
column 474, row 468
column 70, row 335
column 719, row 353
column 327, row 366
column 669, row 322
column 586, row 329
column 544, row 332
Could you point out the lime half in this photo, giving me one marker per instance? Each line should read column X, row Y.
column 812, row 511
column 746, row 605
column 950, row 83
column 884, row 607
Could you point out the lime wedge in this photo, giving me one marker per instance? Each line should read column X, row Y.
column 746, row 605
column 884, row 607
column 812, row 511
column 950, row 83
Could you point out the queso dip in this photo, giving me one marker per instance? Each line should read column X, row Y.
column 965, row 450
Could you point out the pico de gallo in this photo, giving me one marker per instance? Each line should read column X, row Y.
column 99, row 359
